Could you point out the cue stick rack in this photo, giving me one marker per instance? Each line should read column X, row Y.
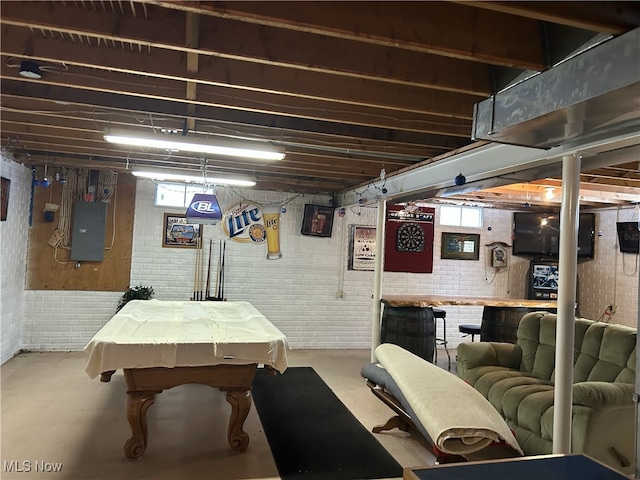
column 200, row 293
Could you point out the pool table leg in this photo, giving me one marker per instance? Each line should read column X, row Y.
column 240, row 401
column 137, row 405
column 143, row 384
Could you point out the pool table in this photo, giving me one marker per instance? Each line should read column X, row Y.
column 162, row 344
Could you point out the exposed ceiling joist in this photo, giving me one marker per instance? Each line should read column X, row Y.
column 347, row 88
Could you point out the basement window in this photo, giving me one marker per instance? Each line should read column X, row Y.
column 455, row 216
column 175, row 194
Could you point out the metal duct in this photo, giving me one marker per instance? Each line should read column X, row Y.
column 595, row 92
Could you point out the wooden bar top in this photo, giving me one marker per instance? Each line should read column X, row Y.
column 439, row 300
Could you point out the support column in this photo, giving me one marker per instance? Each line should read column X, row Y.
column 636, row 394
column 569, row 218
column 377, row 277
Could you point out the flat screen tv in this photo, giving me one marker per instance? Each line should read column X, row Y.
column 537, row 235
column 628, row 236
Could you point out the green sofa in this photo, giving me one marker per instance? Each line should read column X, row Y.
column 518, row 380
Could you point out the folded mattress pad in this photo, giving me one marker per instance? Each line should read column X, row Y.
column 376, row 373
column 451, row 413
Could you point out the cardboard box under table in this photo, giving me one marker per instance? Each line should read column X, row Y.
column 162, row 344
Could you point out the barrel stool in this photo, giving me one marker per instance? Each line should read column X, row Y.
column 472, row 330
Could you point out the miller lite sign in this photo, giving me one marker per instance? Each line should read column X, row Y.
column 244, row 223
column 204, row 209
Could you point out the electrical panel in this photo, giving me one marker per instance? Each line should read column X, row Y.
column 89, row 228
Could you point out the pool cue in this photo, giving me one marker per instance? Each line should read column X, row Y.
column 195, row 274
column 201, row 296
column 218, row 271
column 219, row 279
column 208, row 292
column 195, row 282
column 199, row 269
column 224, row 248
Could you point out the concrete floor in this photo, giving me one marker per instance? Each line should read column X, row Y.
column 54, row 416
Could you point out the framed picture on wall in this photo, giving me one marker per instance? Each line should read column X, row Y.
column 460, row 246
column 178, row 233
column 317, row 220
column 362, row 247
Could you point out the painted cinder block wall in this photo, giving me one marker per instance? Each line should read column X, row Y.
column 14, row 234
column 309, row 293
column 300, row 293
column 612, row 278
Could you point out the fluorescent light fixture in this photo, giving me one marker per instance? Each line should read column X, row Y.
column 180, row 177
column 255, row 150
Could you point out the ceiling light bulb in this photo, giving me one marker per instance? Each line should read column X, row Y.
column 549, row 193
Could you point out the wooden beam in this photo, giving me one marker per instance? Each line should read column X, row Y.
column 191, row 41
column 155, row 106
column 440, row 28
column 304, row 184
column 76, row 116
column 83, row 123
column 592, row 194
column 262, row 45
column 296, row 108
column 240, row 80
column 321, row 166
column 605, row 17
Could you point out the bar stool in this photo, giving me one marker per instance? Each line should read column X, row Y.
column 472, row 330
column 441, row 314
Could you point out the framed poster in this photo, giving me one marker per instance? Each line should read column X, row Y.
column 178, row 233
column 362, row 247
column 460, row 246
column 5, row 183
column 317, row 220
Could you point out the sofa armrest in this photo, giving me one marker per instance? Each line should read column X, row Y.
column 481, row 354
column 598, row 395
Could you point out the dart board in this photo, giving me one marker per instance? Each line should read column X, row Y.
column 410, row 238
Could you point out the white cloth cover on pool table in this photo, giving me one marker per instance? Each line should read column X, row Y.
column 458, row 419
column 156, row 333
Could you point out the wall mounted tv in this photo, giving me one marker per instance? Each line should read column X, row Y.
column 537, row 235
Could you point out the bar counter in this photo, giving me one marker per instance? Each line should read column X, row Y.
column 500, row 316
column 440, row 300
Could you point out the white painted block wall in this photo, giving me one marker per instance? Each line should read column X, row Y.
column 612, row 277
column 298, row 293
column 14, row 234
